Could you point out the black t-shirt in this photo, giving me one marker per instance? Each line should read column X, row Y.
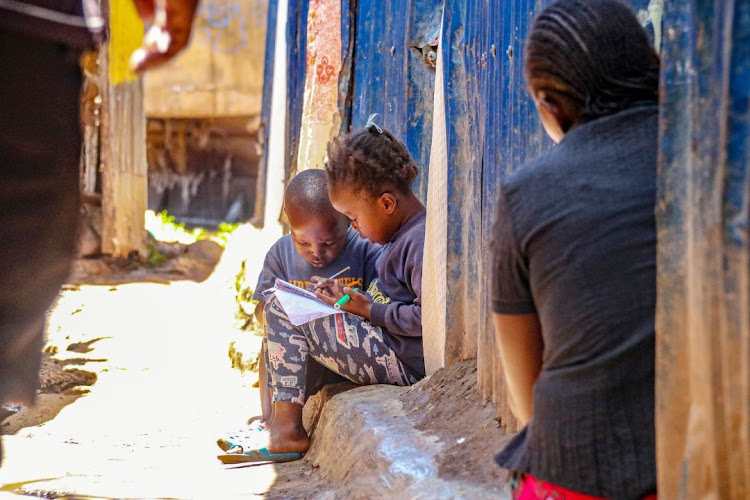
column 575, row 242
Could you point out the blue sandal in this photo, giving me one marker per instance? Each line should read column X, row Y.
column 242, row 437
column 257, row 455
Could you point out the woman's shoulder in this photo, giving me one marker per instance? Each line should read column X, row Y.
column 584, row 148
column 532, row 175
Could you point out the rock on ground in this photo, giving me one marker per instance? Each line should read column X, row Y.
column 436, row 439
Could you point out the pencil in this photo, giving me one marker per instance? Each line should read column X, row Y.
column 340, row 272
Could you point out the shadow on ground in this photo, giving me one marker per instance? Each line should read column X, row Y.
column 61, row 385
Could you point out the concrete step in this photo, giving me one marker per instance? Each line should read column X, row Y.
column 367, row 441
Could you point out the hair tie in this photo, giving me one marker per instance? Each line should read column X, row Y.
column 371, row 123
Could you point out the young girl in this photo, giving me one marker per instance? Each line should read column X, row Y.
column 574, row 271
column 320, row 242
column 379, row 337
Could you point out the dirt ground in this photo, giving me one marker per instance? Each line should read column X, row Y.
column 448, row 405
column 137, row 385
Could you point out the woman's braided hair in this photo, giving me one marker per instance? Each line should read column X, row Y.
column 372, row 160
column 594, row 54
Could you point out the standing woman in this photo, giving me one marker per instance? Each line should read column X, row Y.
column 574, row 250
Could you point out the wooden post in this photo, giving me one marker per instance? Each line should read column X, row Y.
column 90, row 119
column 277, row 147
column 703, row 283
column 434, row 277
column 123, row 137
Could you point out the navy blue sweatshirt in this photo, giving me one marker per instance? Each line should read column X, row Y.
column 397, row 293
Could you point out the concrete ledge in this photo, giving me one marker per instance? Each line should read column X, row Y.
column 367, row 446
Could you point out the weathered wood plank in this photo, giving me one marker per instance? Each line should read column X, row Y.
column 280, row 122
column 434, row 282
column 264, row 127
column 124, row 169
column 277, row 146
column 703, row 309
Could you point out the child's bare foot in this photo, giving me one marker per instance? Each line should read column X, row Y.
column 285, row 437
column 285, row 434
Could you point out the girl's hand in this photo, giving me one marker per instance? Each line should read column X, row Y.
column 358, row 304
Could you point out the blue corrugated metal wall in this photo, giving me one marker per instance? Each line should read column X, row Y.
column 391, row 75
column 703, row 319
column 492, row 129
column 296, row 35
column 703, row 325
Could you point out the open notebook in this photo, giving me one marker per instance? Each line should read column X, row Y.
column 300, row 305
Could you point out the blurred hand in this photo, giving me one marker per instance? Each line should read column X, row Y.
column 171, row 23
column 359, row 303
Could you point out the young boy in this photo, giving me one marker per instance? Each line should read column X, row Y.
column 320, row 244
column 377, row 338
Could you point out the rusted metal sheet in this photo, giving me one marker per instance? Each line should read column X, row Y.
column 321, row 118
column 394, row 75
column 220, row 74
column 703, row 212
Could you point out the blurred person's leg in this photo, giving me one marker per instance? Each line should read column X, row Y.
column 39, row 156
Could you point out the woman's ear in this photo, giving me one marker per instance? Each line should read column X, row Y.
column 556, row 117
column 388, row 202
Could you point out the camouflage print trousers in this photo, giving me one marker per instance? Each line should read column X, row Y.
column 344, row 343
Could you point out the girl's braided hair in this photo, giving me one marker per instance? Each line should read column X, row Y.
column 594, row 54
column 371, row 160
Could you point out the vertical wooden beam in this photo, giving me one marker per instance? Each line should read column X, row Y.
column 90, row 119
column 434, row 276
column 124, row 169
column 277, row 147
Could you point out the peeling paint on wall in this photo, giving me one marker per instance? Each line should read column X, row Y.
column 653, row 15
column 320, row 114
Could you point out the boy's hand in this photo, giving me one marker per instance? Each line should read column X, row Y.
column 358, row 304
column 328, row 289
column 326, row 286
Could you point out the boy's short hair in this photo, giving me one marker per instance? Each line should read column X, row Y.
column 308, row 193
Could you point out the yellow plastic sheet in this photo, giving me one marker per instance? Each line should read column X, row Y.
column 126, row 35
